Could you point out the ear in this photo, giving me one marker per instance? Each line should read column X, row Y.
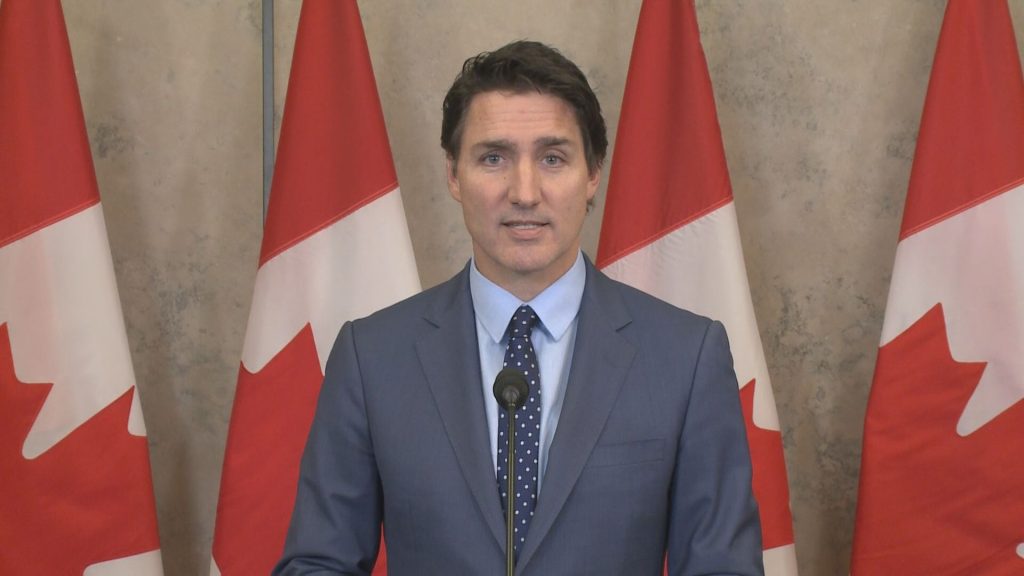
column 450, row 166
column 593, row 181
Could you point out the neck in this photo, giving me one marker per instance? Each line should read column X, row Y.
column 525, row 286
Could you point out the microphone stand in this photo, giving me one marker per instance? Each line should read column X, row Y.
column 511, row 391
column 510, row 556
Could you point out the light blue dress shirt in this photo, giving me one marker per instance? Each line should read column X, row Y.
column 558, row 308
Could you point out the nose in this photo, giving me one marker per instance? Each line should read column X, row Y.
column 525, row 185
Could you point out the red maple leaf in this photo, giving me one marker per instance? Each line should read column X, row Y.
column 270, row 421
column 771, row 490
column 933, row 502
column 87, row 499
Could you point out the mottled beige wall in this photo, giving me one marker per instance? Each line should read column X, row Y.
column 171, row 94
column 819, row 103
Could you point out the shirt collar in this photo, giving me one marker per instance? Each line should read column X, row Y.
column 556, row 306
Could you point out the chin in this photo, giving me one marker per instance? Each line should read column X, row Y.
column 532, row 266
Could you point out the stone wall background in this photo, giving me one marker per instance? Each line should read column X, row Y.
column 819, row 103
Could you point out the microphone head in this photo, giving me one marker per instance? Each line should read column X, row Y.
column 511, row 389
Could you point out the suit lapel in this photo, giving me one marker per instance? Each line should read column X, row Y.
column 450, row 360
column 600, row 362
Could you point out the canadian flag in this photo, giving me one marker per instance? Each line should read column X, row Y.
column 335, row 247
column 942, row 466
column 74, row 465
column 670, row 229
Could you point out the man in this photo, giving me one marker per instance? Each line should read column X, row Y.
column 632, row 444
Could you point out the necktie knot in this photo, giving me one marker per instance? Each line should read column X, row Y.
column 522, row 322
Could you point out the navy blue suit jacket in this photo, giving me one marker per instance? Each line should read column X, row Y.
column 650, row 456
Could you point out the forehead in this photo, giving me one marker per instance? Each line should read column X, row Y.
column 519, row 116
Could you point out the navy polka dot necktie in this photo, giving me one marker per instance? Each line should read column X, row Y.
column 520, row 355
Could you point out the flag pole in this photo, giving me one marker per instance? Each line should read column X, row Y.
column 268, row 100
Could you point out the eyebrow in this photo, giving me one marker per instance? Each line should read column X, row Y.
column 549, row 141
column 500, row 144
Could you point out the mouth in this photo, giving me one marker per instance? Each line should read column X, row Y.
column 524, row 229
column 523, row 224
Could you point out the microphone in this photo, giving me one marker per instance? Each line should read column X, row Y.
column 510, row 390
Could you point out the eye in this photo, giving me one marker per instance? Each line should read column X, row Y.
column 552, row 160
column 491, row 159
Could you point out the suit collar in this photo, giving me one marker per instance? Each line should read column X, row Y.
column 450, row 360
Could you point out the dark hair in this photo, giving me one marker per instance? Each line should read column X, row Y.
column 519, row 67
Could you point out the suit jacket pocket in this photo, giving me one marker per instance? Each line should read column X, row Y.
column 626, row 453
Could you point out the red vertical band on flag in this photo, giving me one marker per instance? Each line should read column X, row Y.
column 970, row 146
column 322, row 173
column 669, row 162
column 46, row 171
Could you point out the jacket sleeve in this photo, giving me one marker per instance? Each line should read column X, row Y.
column 336, row 523
column 714, row 528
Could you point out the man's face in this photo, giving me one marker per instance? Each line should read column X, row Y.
column 523, row 183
